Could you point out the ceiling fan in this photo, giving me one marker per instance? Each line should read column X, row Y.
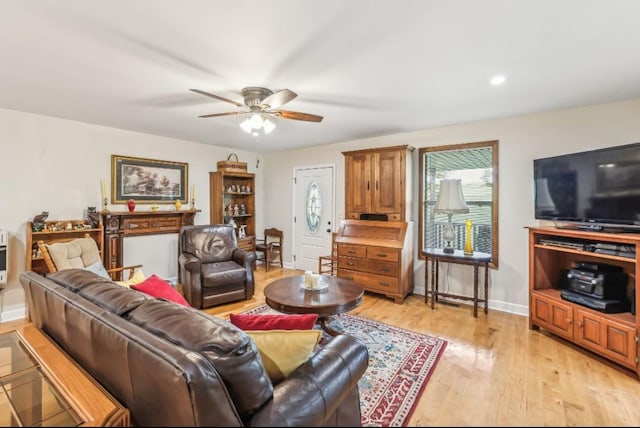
column 260, row 101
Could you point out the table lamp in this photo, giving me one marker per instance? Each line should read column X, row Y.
column 450, row 202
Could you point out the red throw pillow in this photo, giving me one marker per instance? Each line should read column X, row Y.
column 158, row 287
column 273, row 322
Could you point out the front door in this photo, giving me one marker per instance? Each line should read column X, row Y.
column 313, row 215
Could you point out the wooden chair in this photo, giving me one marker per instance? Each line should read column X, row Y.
column 269, row 246
column 329, row 264
column 80, row 253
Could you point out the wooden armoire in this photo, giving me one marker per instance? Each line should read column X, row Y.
column 375, row 241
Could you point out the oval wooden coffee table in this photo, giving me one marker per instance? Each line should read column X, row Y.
column 288, row 295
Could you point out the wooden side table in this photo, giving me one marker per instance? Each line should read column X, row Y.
column 45, row 387
column 436, row 255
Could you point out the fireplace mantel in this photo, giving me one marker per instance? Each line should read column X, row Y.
column 121, row 224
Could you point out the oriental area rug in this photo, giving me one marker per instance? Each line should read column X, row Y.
column 400, row 364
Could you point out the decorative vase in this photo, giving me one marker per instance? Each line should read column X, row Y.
column 468, row 245
column 178, row 204
column 131, row 204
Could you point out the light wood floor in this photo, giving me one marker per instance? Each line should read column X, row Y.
column 495, row 371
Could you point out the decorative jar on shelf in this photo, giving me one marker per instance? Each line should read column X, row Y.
column 178, row 204
column 131, row 204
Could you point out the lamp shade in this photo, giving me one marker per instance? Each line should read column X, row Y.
column 450, row 199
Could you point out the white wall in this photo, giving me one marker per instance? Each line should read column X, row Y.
column 521, row 139
column 55, row 165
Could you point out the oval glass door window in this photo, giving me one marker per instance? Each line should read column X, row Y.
column 314, row 207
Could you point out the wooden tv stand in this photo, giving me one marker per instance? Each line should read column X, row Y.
column 612, row 335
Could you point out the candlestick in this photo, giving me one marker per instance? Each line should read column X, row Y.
column 105, row 210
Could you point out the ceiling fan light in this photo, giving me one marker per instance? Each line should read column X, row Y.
column 256, row 121
column 246, row 126
column 268, row 126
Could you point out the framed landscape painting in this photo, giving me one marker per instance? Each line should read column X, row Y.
column 148, row 180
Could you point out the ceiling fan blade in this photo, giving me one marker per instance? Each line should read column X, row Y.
column 278, row 99
column 297, row 115
column 226, row 100
column 225, row 114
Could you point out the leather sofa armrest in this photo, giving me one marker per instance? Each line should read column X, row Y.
column 190, row 278
column 244, row 258
column 189, row 262
column 314, row 391
column 247, row 259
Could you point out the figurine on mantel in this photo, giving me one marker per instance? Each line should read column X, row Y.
column 38, row 221
column 93, row 216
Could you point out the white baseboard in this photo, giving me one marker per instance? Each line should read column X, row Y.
column 17, row 313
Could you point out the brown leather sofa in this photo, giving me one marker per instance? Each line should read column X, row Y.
column 171, row 365
column 213, row 270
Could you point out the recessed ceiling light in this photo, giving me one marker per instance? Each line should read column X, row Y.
column 497, row 80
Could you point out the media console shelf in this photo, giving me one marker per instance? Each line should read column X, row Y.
column 612, row 335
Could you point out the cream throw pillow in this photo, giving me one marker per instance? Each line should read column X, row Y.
column 283, row 351
column 135, row 279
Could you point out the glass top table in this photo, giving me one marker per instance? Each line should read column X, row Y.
column 40, row 385
column 27, row 397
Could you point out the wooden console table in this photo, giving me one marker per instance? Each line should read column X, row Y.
column 44, row 387
column 436, row 255
column 121, row 224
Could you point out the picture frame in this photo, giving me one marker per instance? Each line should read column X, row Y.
column 148, row 180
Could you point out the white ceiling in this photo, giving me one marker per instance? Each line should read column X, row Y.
column 370, row 67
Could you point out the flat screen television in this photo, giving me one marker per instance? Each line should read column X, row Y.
column 596, row 189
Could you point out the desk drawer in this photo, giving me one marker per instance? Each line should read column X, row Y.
column 372, row 282
column 366, row 265
column 352, row 250
column 381, row 253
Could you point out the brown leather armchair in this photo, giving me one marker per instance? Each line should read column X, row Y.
column 213, row 270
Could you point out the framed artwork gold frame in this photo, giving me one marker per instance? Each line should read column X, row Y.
column 148, row 180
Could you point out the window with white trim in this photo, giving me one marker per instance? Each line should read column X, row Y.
column 476, row 164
